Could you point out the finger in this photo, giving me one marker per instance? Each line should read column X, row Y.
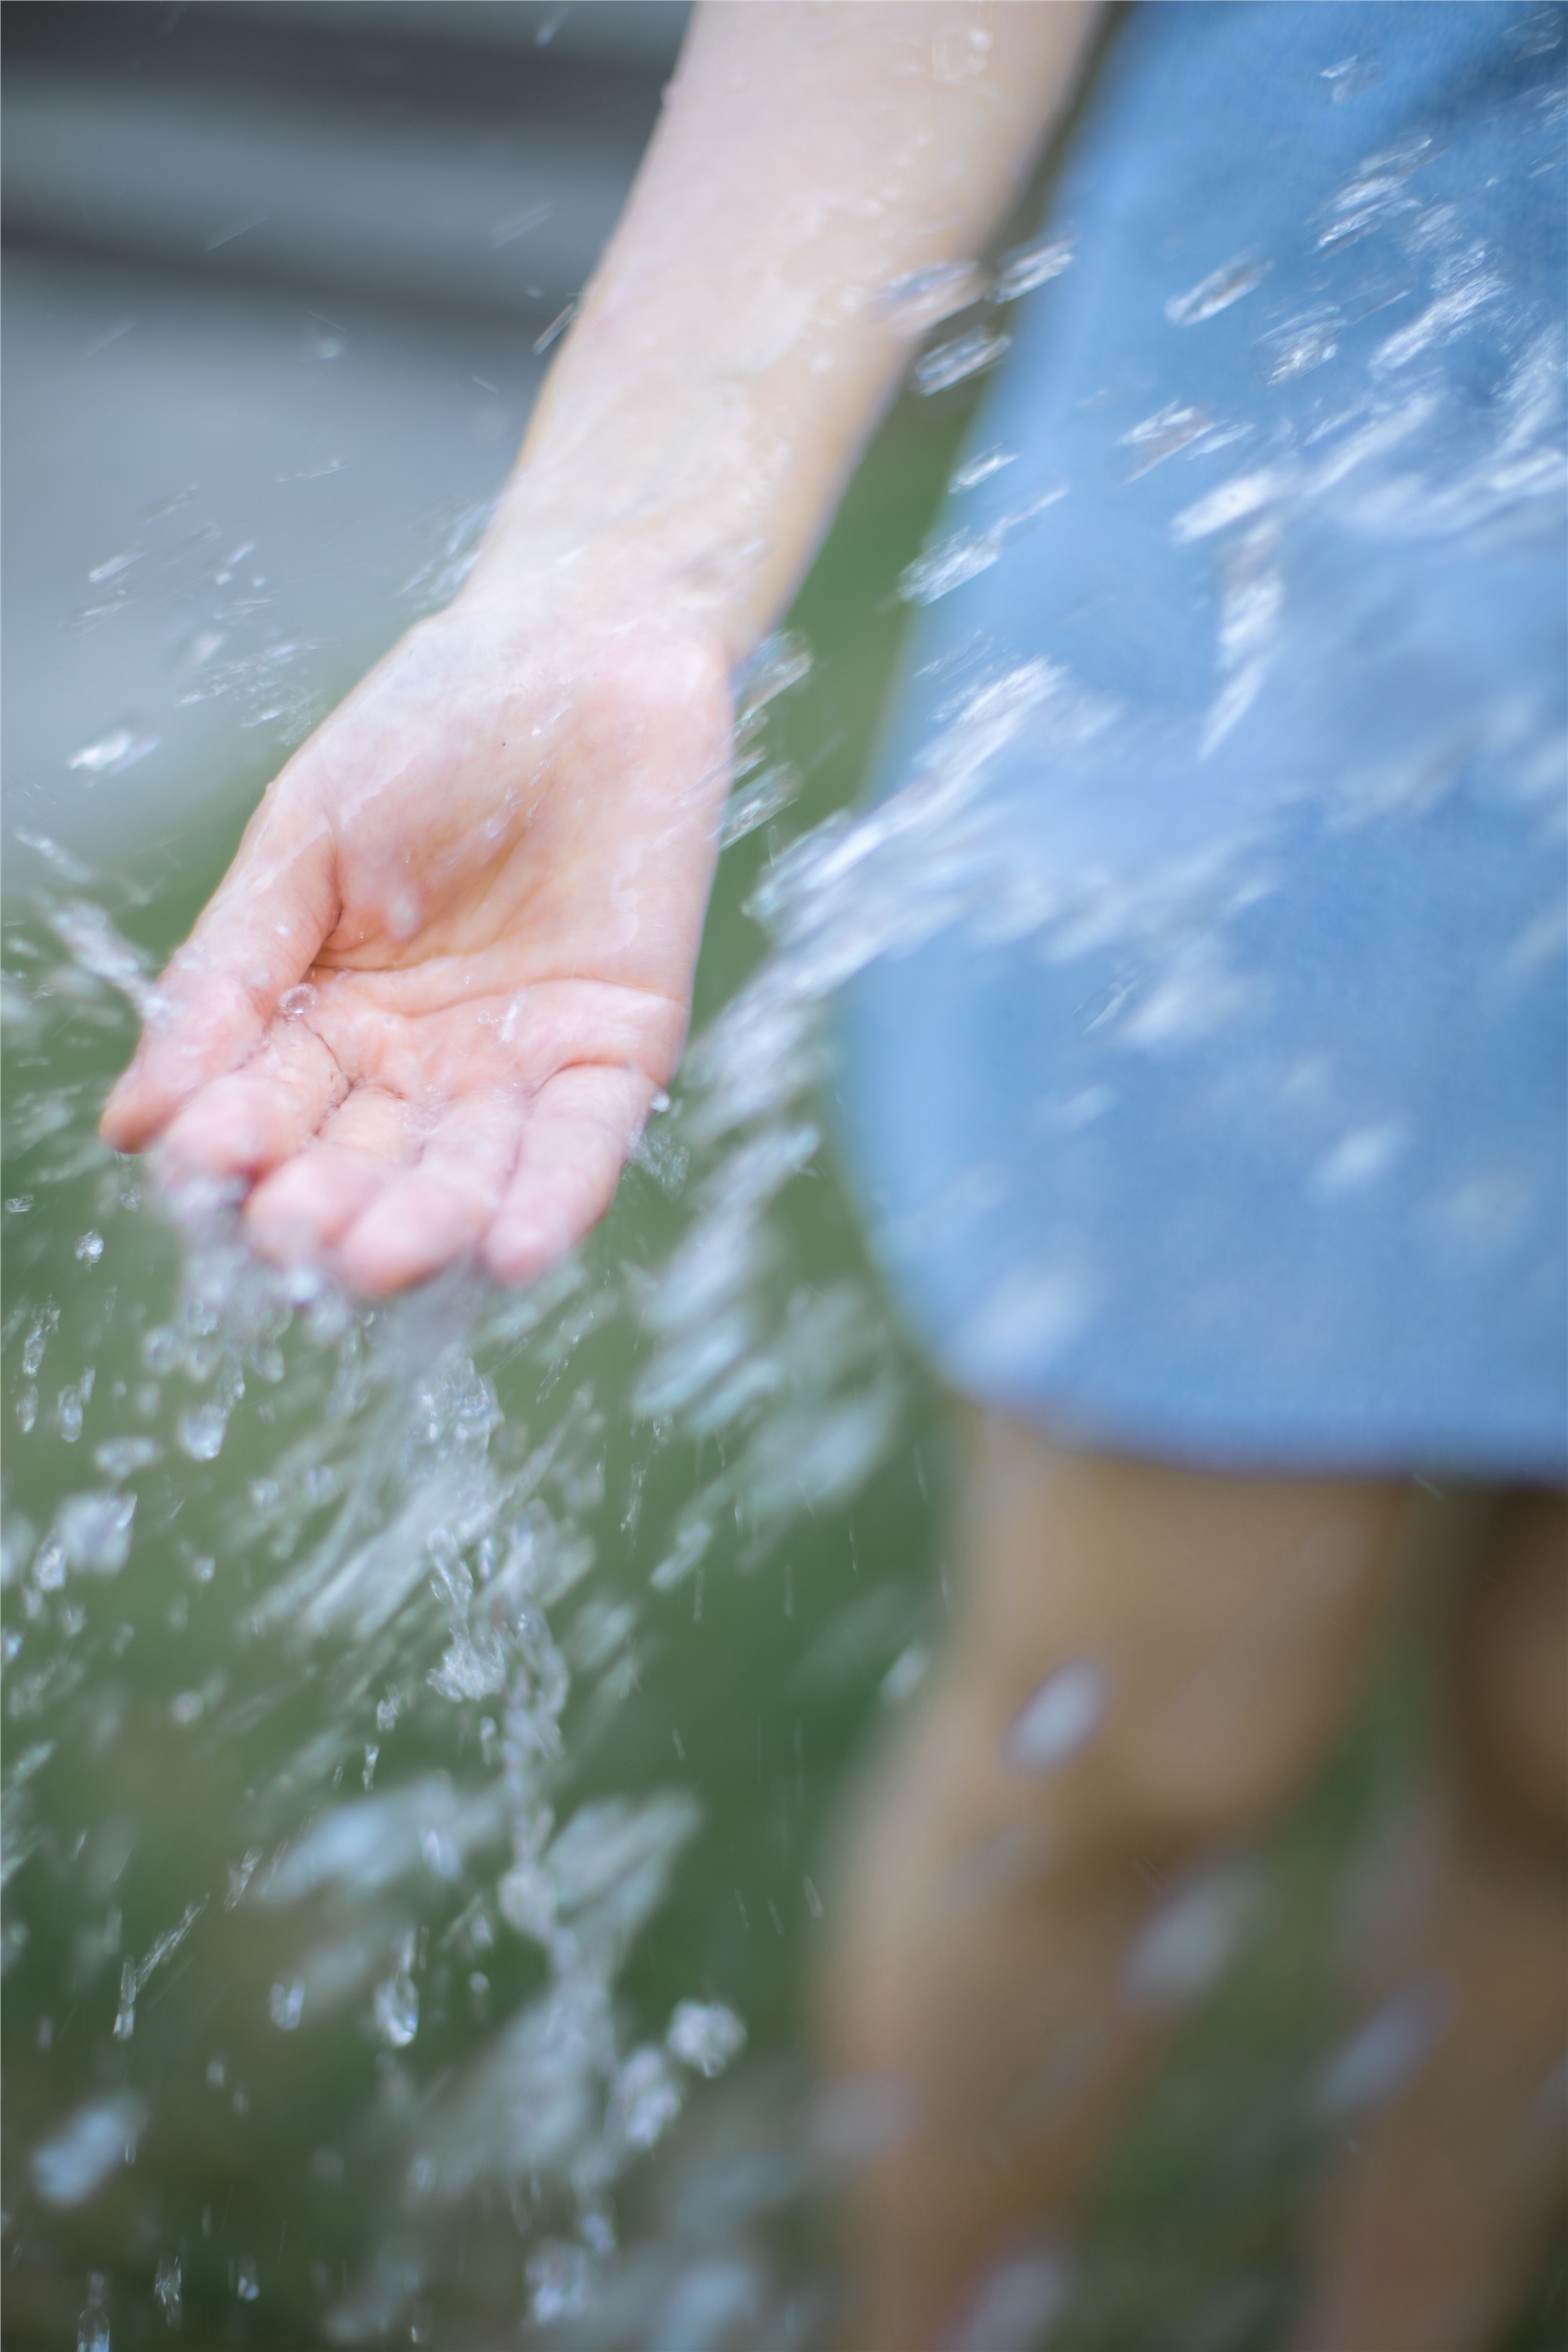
column 246, row 1123
column 437, row 1212
column 299, row 1211
column 583, row 1126
column 259, row 936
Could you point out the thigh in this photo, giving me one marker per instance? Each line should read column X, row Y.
column 1182, row 1645
column 1143, row 1664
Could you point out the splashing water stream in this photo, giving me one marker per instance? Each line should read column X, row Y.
column 323, row 1622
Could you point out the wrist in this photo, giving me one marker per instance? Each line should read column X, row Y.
column 703, row 486
column 587, row 609
column 608, row 550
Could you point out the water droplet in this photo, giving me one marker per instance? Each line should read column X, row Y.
column 1172, row 428
column 704, row 2034
column 79, row 2158
column 70, row 1408
column 405, row 913
column 1060, row 1719
column 111, row 754
column 1388, row 2052
column 1358, row 1159
column 397, row 2011
column 1217, row 291
column 1441, row 319
column 1351, row 76
column 1032, row 1315
column 92, row 2328
column 113, row 565
column 1028, row 266
column 1184, row 1948
column 559, row 2277
column 1234, row 500
column 923, row 298
column 689, row 1547
column 286, row 2004
column 758, row 801
column 201, row 1429
column 37, row 1341
column 166, row 2287
column 1300, row 345
column 906, row 1674
column 94, row 1531
column 118, row 1457
column 953, row 361
column 981, row 467
column 1016, row 2303
column 962, row 556
column 644, row 2101
column 558, row 326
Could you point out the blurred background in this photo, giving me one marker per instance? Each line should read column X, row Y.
column 279, row 285
column 274, row 278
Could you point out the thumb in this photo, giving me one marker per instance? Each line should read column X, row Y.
column 257, row 937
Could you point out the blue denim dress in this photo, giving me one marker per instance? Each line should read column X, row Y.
column 1216, row 1107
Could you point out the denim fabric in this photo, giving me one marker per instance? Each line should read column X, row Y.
column 1223, row 1115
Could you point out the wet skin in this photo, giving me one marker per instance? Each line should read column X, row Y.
column 427, row 1011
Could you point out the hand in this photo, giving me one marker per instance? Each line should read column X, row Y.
column 427, row 1011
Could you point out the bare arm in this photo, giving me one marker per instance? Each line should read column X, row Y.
column 737, row 345
column 429, row 1006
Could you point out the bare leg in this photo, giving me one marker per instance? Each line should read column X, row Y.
column 1145, row 1664
column 1428, row 2235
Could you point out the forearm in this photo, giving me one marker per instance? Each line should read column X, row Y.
column 736, row 347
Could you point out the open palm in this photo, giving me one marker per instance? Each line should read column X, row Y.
column 428, row 1009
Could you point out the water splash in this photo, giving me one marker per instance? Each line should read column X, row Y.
column 923, row 298
column 952, row 362
column 112, row 753
column 335, row 1540
column 1031, row 265
column 1217, row 291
